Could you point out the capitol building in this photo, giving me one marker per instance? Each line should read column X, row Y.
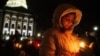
column 13, row 19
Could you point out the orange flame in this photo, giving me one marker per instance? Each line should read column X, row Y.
column 82, row 44
column 73, row 44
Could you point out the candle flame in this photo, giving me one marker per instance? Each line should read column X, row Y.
column 73, row 44
column 82, row 44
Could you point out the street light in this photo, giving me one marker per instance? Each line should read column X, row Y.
column 95, row 28
column 38, row 34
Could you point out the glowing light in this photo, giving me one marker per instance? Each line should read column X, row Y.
column 18, row 45
column 82, row 44
column 36, row 44
column 22, row 38
column 39, row 34
column 16, row 3
column 91, row 45
column 30, row 42
column 7, row 37
column 73, row 44
column 95, row 28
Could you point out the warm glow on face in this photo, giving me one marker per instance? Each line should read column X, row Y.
column 67, row 20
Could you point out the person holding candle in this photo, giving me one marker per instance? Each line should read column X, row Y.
column 60, row 40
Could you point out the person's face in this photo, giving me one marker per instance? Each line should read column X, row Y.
column 68, row 20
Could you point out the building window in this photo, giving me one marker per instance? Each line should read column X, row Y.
column 31, row 21
column 19, row 18
column 7, row 17
column 13, row 17
column 29, row 27
column 18, row 27
column 25, row 19
column 6, row 25
column 12, row 26
column 24, row 27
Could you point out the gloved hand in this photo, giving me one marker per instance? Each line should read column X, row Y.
column 86, row 52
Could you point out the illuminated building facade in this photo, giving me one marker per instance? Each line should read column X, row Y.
column 15, row 19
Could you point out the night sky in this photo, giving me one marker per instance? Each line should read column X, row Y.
column 43, row 10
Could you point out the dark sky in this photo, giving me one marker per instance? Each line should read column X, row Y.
column 43, row 9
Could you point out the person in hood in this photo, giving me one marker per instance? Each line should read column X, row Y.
column 60, row 39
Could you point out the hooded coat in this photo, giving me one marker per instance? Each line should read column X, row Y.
column 57, row 43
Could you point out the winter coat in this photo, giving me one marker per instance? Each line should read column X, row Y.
column 57, row 43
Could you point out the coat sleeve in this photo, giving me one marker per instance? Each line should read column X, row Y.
column 47, row 47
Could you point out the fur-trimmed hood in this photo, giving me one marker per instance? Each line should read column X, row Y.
column 63, row 10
